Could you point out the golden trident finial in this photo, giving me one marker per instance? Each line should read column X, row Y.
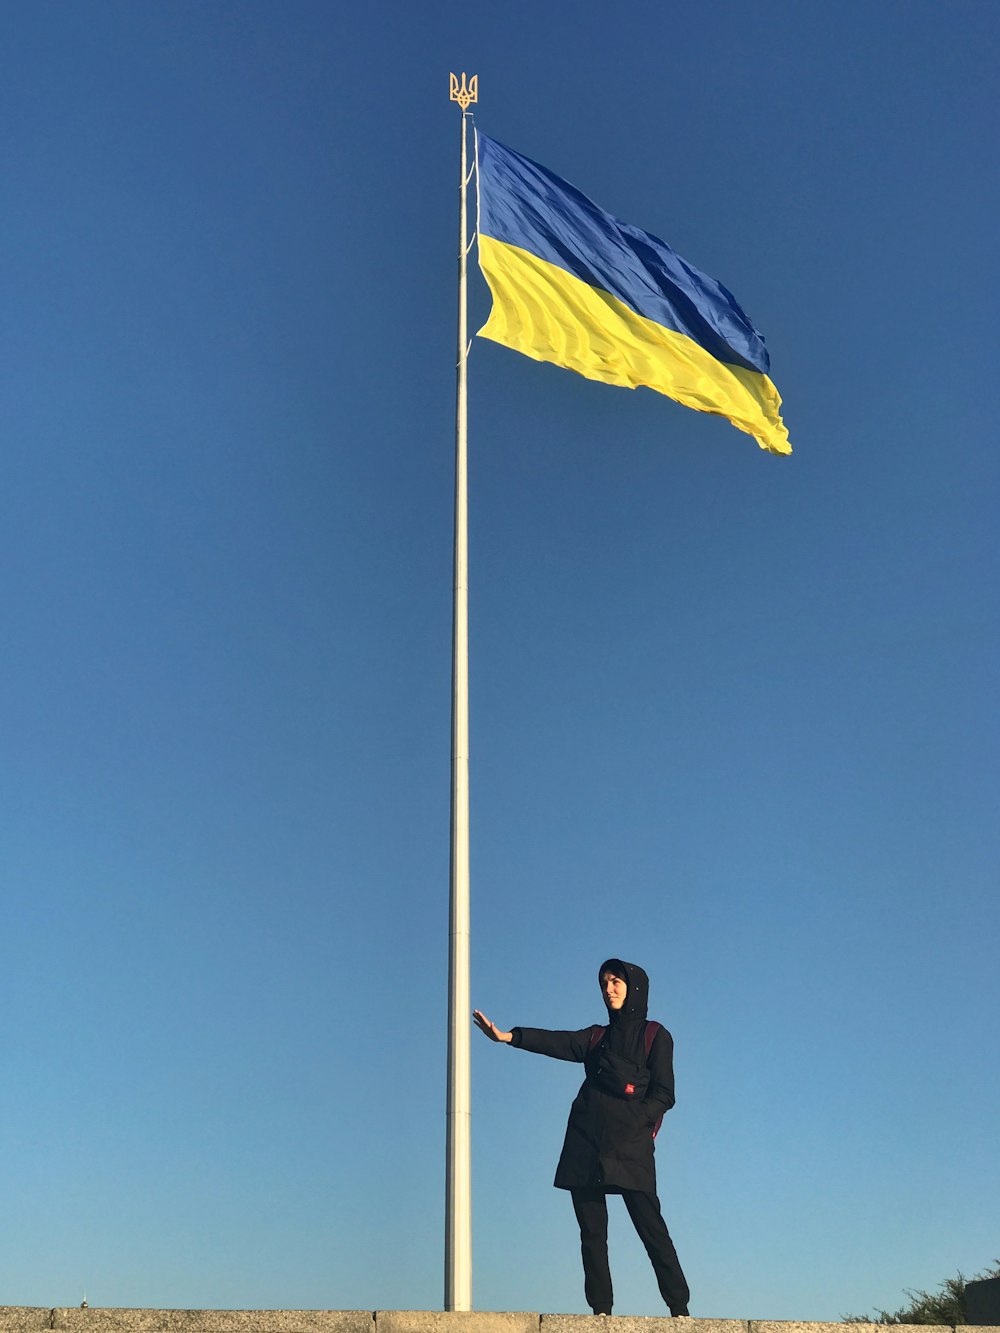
column 464, row 95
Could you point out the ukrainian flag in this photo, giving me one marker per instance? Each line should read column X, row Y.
column 573, row 285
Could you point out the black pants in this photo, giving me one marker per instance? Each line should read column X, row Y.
column 591, row 1206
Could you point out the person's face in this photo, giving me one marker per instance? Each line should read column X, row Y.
column 613, row 989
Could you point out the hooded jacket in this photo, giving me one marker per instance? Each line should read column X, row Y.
column 609, row 1136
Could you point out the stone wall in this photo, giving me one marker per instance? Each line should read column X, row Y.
column 31, row 1319
column 35, row 1319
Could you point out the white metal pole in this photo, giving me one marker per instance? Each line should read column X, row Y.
column 458, row 1203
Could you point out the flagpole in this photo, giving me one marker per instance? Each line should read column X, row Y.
column 458, row 1185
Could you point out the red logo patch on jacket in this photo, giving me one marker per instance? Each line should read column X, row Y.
column 629, row 1089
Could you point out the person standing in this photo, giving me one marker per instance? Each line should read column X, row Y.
column 608, row 1148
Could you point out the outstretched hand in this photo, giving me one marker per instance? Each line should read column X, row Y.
column 491, row 1029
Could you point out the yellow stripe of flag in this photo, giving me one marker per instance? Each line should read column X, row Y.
column 550, row 315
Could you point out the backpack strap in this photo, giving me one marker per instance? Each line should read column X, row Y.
column 597, row 1036
column 652, row 1028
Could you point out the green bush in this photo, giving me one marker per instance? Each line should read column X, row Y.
column 944, row 1306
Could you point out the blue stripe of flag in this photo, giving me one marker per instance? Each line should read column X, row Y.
column 524, row 204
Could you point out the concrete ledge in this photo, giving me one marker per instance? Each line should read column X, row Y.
column 39, row 1319
column 14, row 1318
column 788, row 1326
column 188, row 1321
column 632, row 1323
column 454, row 1321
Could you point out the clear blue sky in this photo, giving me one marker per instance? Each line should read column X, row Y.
column 734, row 716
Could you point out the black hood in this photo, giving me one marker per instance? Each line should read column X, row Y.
column 636, row 1004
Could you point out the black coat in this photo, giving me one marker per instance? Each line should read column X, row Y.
column 609, row 1137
